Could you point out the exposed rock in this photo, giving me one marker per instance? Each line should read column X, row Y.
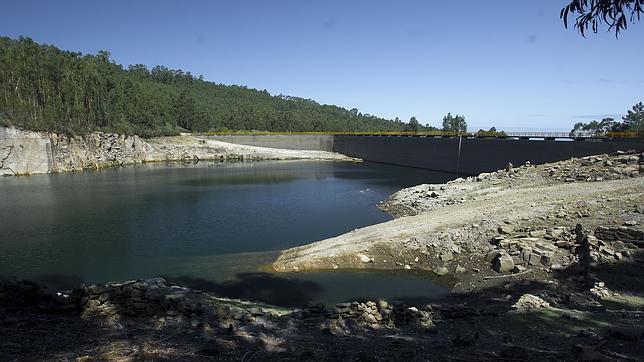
column 365, row 259
column 505, row 230
column 493, row 254
column 622, row 233
column 25, row 152
column 446, row 256
column 529, row 301
column 441, row 270
column 503, row 264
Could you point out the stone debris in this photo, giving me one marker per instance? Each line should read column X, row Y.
column 533, row 251
column 624, row 234
column 503, row 264
column 528, row 301
column 600, row 290
column 557, row 248
column 596, row 168
column 422, row 198
column 372, row 314
column 157, row 298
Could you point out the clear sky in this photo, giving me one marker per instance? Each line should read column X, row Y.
column 507, row 63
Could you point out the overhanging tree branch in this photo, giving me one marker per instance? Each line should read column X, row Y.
column 594, row 13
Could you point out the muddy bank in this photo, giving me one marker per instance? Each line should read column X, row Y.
column 25, row 152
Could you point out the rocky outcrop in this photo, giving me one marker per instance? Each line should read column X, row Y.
column 596, row 168
column 514, row 222
column 528, row 301
column 96, row 150
column 369, row 314
column 625, row 234
column 158, row 298
column 25, row 152
column 560, row 247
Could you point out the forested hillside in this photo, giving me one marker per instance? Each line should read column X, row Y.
column 47, row 89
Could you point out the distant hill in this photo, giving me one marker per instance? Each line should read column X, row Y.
column 44, row 88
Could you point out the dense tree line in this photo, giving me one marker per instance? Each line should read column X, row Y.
column 633, row 121
column 47, row 89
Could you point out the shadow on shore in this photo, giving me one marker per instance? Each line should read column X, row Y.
column 475, row 326
column 261, row 287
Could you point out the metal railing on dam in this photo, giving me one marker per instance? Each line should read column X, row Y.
column 446, row 152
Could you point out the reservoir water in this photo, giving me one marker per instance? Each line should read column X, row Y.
column 209, row 225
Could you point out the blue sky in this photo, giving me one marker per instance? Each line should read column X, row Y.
column 509, row 63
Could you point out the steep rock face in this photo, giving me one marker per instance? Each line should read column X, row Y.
column 25, row 152
column 96, row 150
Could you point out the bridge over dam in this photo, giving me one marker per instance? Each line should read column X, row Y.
column 469, row 155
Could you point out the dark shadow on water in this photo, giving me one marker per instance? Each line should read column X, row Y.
column 57, row 281
column 262, row 287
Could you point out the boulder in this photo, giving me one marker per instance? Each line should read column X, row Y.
column 505, row 229
column 503, row 264
column 446, row 256
column 441, row 270
column 493, row 255
column 365, row 259
column 529, row 301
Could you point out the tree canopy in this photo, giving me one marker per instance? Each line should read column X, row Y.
column 591, row 14
column 633, row 121
column 454, row 123
column 44, row 88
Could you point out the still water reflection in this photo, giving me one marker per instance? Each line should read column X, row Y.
column 210, row 224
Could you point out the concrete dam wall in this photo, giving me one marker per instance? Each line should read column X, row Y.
column 477, row 154
column 440, row 154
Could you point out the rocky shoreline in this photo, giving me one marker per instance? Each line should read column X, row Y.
column 452, row 228
column 545, row 262
column 28, row 153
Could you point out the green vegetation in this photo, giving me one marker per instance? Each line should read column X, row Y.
column 44, row 88
column 492, row 132
column 454, row 123
column 632, row 122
